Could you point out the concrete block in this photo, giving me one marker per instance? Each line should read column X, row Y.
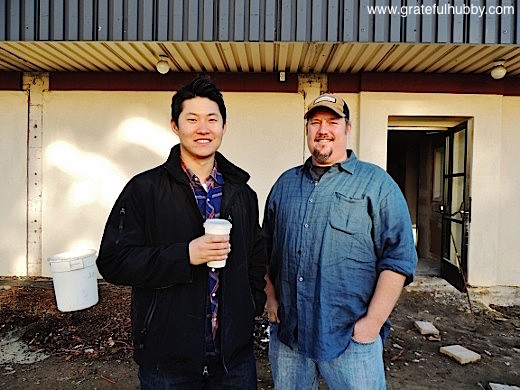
column 460, row 354
column 426, row 328
column 497, row 386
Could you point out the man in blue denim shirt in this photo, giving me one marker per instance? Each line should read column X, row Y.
column 339, row 238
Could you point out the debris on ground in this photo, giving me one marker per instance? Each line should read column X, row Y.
column 92, row 348
column 426, row 328
column 12, row 350
column 497, row 386
column 460, row 354
column 102, row 331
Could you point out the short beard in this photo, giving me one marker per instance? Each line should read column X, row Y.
column 321, row 158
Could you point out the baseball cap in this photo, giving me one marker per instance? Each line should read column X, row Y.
column 332, row 102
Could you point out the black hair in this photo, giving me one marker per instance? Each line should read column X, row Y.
column 201, row 86
column 346, row 111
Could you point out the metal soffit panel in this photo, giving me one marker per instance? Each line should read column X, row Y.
column 294, row 57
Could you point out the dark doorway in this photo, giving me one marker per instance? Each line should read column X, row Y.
column 430, row 167
column 410, row 160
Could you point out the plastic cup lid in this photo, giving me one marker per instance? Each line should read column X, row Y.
column 218, row 222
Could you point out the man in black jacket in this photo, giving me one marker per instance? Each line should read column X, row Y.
column 192, row 325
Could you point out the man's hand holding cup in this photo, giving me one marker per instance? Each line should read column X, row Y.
column 213, row 247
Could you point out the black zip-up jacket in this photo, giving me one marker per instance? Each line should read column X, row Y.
column 145, row 245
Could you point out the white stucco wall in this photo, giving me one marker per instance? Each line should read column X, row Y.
column 13, row 197
column 95, row 141
column 508, row 271
column 264, row 136
column 486, row 257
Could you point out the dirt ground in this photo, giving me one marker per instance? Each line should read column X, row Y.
column 91, row 349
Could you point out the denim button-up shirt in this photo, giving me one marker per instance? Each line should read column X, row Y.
column 328, row 241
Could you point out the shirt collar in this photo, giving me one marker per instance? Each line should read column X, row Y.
column 349, row 165
column 214, row 174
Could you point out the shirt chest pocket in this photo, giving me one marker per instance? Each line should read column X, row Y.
column 351, row 246
column 350, row 215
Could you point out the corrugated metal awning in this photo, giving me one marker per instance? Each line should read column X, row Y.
column 294, row 57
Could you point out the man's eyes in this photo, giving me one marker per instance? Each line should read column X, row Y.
column 317, row 123
column 194, row 120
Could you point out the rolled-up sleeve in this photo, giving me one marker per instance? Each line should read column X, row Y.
column 393, row 237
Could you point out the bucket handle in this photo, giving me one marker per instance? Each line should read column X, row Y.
column 76, row 264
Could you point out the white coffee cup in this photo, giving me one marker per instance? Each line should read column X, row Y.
column 219, row 227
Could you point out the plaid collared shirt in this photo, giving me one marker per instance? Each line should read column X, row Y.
column 209, row 200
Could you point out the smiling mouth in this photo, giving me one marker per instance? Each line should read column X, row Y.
column 202, row 141
column 323, row 140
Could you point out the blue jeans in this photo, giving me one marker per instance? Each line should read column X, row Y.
column 240, row 376
column 360, row 367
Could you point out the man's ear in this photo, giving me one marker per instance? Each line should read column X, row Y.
column 224, row 128
column 348, row 129
column 174, row 127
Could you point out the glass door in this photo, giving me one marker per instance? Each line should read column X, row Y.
column 455, row 207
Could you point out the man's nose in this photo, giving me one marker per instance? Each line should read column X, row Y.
column 203, row 127
column 322, row 128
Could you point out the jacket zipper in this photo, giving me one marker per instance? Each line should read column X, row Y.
column 221, row 305
column 230, row 219
column 205, row 306
column 223, row 214
column 122, row 214
column 148, row 320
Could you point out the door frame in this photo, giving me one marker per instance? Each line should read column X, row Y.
column 455, row 271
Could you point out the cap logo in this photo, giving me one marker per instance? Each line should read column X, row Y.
column 325, row 98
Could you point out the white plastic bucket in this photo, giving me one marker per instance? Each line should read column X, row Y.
column 74, row 275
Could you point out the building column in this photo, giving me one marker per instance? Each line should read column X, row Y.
column 35, row 84
column 310, row 86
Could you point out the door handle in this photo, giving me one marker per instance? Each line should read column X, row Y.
column 439, row 210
